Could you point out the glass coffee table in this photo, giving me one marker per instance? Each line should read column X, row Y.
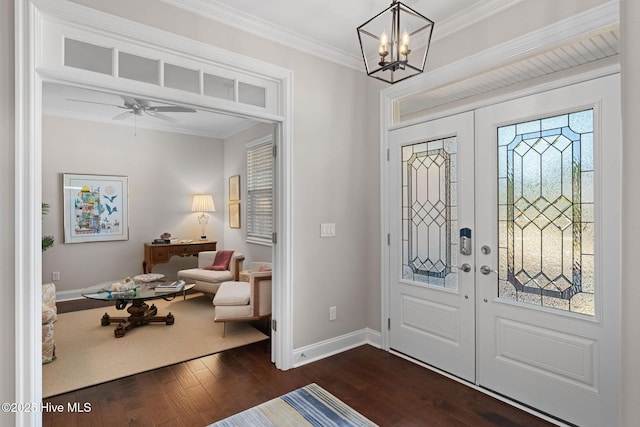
column 140, row 313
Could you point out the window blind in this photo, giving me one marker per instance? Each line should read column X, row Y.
column 260, row 192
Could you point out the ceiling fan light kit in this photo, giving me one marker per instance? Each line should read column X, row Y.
column 395, row 43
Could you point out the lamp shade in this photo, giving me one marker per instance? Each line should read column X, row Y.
column 203, row 203
column 395, row 43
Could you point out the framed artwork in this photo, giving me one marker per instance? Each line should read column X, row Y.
column 234, row 188
column 96, row 208
column 234, row 215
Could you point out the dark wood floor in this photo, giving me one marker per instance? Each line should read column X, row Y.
column 385, row 388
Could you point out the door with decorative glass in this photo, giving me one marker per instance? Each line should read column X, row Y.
column 548, row 197
column 431, row 287
column 537, row 182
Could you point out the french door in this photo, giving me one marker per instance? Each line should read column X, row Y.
column 433, row 293
column 536, row 189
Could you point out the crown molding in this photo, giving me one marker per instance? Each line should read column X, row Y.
column 215, row 11
column 476, row 13
column 219, row 12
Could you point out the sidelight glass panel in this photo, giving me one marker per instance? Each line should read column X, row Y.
column 546, row 204
column 429, row 224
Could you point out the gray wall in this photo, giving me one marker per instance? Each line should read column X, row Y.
column 164, row 171
column 630, row 393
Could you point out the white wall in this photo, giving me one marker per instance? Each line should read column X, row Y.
column 7, row 228
column 235, row 164
column 164, row 171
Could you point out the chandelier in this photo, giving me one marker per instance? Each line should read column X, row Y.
column 395, row 43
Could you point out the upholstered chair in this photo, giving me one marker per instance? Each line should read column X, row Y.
column 49, row 316
column 245, row 301
column 208, row 281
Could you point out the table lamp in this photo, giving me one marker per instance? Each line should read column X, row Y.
column 203, row 203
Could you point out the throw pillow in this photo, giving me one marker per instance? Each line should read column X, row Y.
column 221, row 261
column 264, row 268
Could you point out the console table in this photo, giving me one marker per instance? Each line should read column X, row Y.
column 160, row 253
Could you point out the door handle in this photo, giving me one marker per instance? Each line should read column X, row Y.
column 485, row 269
column 464, row 267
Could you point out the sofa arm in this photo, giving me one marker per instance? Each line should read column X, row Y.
column 235, row 266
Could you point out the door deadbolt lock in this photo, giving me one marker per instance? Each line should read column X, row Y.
column 465, row 241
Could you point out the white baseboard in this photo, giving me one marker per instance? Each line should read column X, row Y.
column 320, row 350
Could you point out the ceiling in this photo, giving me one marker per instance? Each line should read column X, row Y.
column 315, row 26
column 328, row 29
column 79, row 103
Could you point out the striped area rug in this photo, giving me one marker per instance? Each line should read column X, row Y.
column 308, row 406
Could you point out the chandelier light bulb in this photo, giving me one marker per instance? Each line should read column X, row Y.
column 384, row 40
column 404, row 45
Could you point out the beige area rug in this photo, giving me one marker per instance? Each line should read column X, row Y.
column 88, row 353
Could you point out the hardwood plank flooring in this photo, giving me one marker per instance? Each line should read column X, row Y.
column 385, row 388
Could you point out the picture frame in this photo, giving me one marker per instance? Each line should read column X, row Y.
column 234, row 188
column 234, row 215
column 96, row 208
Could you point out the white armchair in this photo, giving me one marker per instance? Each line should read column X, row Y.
column 208, row 281
column 245, row 301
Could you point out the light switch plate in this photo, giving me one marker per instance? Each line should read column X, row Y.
column 327, row 229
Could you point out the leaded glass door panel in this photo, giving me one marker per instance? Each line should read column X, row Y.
column 546, row 211
column 432, row 298
column 547, row 192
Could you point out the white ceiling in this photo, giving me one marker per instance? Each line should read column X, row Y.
column 329, row 23
column 328, row 29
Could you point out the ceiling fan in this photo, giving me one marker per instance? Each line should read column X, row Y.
column 139, row 107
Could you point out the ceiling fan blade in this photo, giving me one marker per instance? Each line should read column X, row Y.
column 92, row 102
column 129, row 101
column 123, row 115
column 171, row 109
column 162, row 117
column 142, row 102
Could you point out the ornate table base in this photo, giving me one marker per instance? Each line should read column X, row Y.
column 139, row 314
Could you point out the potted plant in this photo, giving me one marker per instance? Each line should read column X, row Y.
column 47, row 241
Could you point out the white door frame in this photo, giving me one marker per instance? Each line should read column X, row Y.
column 29, row 18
